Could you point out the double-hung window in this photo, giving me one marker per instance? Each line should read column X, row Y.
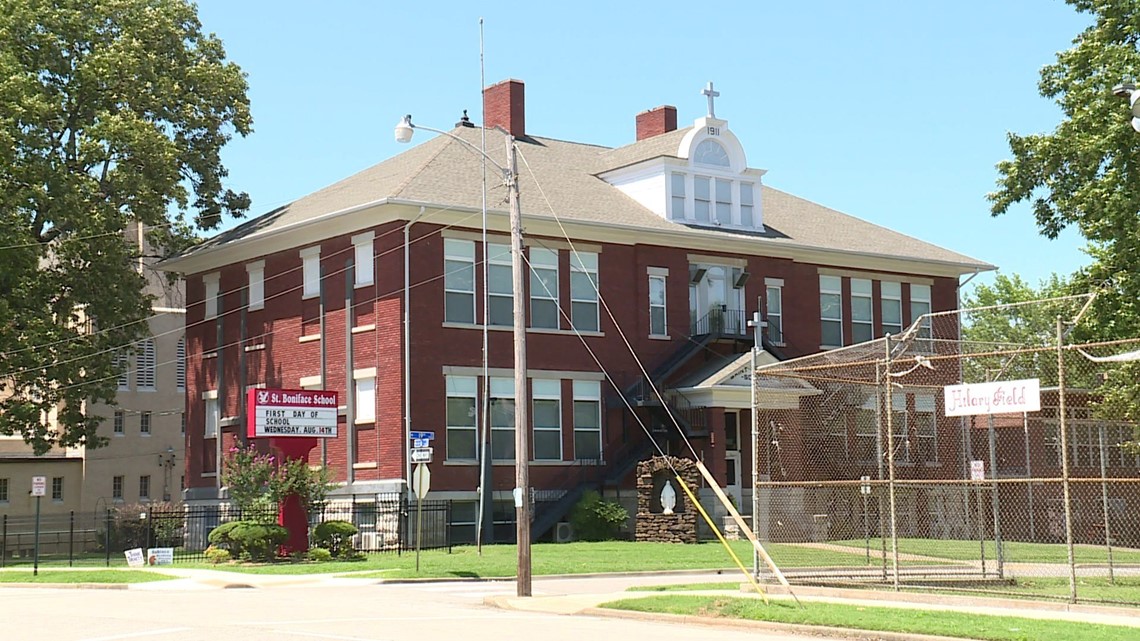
column 702, row 199
column 862, row 311
column 891, row 293
column 364, row 265
column 723, row 201
column 119, row 421
column 117, row 488
column 587, row 420
column 926, row 429
column 502, row 419
column 500, row 284
column 255, row 276
column 364, row 383
column 212, row 284
column 747, row 217
column 311, row 271
column 657, row 318
column 461, row 417
column 677, row 191
column 213, row 418
column 57, row 488
column 459, row 280
column 901, row 428
column 547, row 410
column 831, row 311
column 144, row 423
column 584, row 291
column 144, row 487
column 543, row 288
column 774, row 297
column 920, row 307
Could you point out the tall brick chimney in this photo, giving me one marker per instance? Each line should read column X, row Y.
column 504, row 105
column 656, row 121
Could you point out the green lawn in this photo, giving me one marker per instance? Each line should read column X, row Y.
column 904, row 620
column 500, row 561
column 1015, row 551
column 24, row 575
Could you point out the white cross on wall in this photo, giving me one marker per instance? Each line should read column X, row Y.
column 708, row 91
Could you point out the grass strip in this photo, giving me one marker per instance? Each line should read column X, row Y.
column 82, row 576
column 903, row 620
column 1012, row 551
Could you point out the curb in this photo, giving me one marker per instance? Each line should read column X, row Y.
column 69, row 586
column 847, row 634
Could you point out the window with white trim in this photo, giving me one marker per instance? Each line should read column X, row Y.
column 3, row 490
column 657, row 317
column 119, row 423
column 311, row 271
column 117, row 488
column 364, row 408
column 926, row 429
column 891, row 306
column 364, row 263
column 145, row 364
column 180, row 365
column 831, row 311
column 57, row 488
column 584, row 291
column 774, row 297
column 256, row 276
column 866, row 432
column 702, row 199
column 862, row 311
column 587, row 420
column 213, row 418
column 920, row 306
column 500, row 285
column 677, row 195
column 710, row 152
column 723, row 201
column 747, row 211
column 543, row 288
column 212, row 285
column 458, row 280
column 547, row 410
column 461, row 417
column 144, row 423
column 144, row 487
column 900, row 426
column 502, row 419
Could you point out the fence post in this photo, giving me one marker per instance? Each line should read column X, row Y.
column 3, row 540
column 71, row 540
column 1065, row 489
column 107, row 538
column 447, row 526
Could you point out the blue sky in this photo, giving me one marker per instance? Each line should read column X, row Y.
column 895, row 112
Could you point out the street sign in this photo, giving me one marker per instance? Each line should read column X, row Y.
column 39, row 486
column 865, row 486
column 420, row 442
column 421, row 455
column 421, row 481
column 977, row 470
column 427, row 436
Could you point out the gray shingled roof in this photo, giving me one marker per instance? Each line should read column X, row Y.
column 446, row 173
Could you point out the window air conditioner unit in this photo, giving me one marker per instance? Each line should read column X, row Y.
column 368, row 542
column 563, row 532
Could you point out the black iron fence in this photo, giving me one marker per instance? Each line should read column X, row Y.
column 386, row 524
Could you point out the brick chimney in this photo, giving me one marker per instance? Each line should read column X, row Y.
column 656, row 121
column 504, row 105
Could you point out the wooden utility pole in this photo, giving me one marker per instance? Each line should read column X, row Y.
column 522, row 440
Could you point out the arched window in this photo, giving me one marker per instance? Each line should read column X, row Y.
column 710, row 152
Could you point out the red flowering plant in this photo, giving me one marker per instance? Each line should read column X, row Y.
column 258, row 481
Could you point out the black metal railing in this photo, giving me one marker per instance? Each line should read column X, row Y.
column 721, row 321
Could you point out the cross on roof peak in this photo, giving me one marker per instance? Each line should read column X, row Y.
column 710, row 94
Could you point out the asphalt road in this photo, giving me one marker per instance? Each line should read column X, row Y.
column 330, row 611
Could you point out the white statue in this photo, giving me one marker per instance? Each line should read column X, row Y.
column 668, row 498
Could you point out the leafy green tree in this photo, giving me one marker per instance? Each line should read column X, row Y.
column 112, row 113
column 1086, row 172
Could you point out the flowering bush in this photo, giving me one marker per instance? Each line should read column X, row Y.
column 258, row 481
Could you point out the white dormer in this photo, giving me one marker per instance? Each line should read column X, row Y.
column 708, row 183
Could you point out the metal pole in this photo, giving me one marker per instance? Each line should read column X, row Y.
column 36, row 548
column 891, row 465
column 757, row 342
column 107, row 539
column 866, row 529
column 1104, row 507
column 879, row 456
column 522, row 440
column 1029, row 475
column 485, row 514
column 3, row 539
column 995, row 502
column 71, row 539
column 407, row 351
column 1066, row 490
column 419, row 527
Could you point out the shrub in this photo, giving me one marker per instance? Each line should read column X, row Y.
column 336, row 536
column 595, row 519
column 162, row 526
column 320, row 555
column 249, row 539
column 217, row 555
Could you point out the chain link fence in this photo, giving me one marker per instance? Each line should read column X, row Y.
column 979, row 450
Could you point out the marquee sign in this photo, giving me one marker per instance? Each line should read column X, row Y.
column 283, row 412
column 998, row 397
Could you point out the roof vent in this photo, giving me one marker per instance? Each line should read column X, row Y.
column 464, row 121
